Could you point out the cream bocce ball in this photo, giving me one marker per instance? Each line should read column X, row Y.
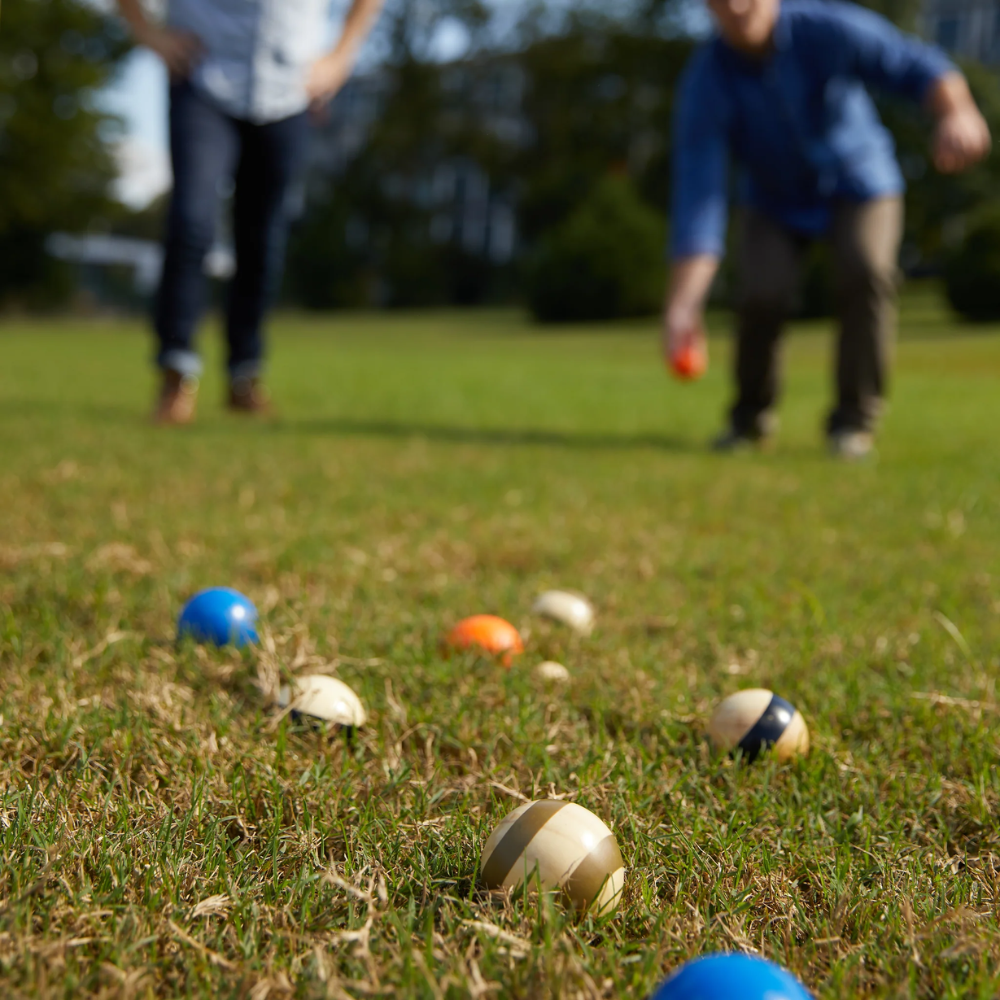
column 324, row 698
column 567, row 845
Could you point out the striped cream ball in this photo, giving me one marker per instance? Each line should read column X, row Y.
column 323, row 698
column 755, row 720
column 563, row 606
column 568, row 846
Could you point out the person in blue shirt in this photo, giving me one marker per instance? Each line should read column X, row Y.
column 243, row 77
column 783, row 90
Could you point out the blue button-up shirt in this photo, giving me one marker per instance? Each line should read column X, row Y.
column 257, row 52
column 800, row 122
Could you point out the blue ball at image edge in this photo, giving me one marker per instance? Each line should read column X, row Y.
column 219, row 615
column 731, row 977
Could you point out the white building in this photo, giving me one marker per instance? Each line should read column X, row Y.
column 95, row 252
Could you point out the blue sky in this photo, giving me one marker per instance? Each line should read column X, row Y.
column 139, row 96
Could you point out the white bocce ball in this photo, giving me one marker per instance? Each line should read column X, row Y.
column 324, row 698
column 756, row 719
column 552, row 672
column 568, row 846
column 570, row 609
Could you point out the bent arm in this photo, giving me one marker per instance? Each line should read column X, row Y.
column 887, row 59
column 330, row 72
column 949, row 93
column 178, row 49
column 962, row 137
column 135, row 17
column 357, row 25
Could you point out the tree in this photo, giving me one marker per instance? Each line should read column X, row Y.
column 972, row 271
column 55, row 163
column 604, row 262
column 367, row 234
column 599, row 98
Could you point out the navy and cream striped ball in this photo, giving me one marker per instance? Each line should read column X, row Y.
column 756, row 720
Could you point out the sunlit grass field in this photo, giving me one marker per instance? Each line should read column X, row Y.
column 164, row 831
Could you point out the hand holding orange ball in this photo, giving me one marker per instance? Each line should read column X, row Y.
column 689, row 357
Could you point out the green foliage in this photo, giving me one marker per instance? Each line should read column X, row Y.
column 596, row 98
column 358, row 246
column 605, row 261
column 164, row 832
column 366, row 237
column 146, row 223
column 599, row 97
column 904, row 13
column 972, row 273
column 55, row 165
column 322, row 270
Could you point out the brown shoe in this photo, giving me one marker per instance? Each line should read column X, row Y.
column 247, row 394
column 178, row 399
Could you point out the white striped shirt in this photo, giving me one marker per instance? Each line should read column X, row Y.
column 257, row 52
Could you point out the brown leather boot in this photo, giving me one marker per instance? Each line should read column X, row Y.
column 177, row 400
column 247, row 394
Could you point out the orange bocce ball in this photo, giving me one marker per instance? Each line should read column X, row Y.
column 487, row 633
column 690, row 362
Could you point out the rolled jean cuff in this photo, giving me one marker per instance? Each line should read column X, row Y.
column 246, row 369
column 182, row 362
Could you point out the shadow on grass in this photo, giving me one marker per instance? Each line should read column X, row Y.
column 584, row 440
column 212, row 424
column 486, row 435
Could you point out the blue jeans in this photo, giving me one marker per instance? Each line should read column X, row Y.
column 209, row 150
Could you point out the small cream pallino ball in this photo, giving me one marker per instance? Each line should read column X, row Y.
column 570, row 609
column 324, row 698
column 754, row 720
column 551, row 671
column 570, row 848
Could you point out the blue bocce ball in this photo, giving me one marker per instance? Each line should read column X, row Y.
column 219, row 615
column 731, row 977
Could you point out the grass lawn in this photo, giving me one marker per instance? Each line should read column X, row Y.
column 164, row 833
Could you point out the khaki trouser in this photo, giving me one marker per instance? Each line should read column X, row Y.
column 864, row 239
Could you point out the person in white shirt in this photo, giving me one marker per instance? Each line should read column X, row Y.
column 244, row 75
